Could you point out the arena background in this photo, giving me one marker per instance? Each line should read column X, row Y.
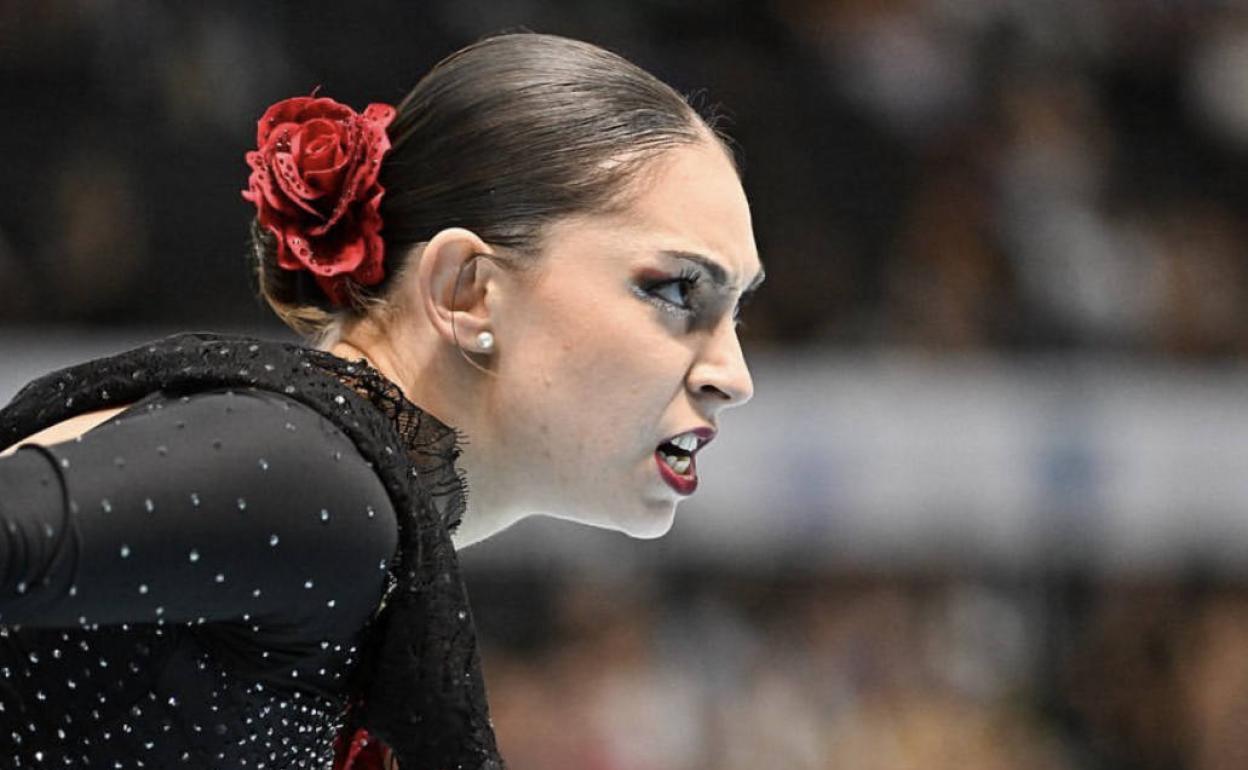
column 989, row 507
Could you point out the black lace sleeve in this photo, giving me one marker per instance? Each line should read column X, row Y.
column 218, row 506
column 418, row 683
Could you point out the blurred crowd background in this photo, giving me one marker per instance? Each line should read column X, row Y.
column 937, row 182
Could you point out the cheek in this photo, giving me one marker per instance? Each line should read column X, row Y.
column 585, row 339
column 595, row 380
column 614, row 400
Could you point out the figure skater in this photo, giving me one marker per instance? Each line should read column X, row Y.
column 220, row 551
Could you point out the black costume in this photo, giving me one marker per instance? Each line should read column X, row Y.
column 252, row 558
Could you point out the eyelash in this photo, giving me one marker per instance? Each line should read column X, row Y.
column 687, row 279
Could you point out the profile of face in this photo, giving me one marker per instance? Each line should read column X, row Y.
column 620, row 339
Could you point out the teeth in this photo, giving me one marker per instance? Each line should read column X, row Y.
column 686, row 441
column 678, row 464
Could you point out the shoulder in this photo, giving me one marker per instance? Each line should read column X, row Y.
column 247, row 450
column 270, row 435
column 289, row 488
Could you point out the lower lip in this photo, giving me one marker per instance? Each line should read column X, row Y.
column 684, row 485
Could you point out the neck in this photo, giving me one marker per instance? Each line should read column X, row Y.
column 435, row 385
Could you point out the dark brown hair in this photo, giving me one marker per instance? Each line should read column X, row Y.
column 502, row 138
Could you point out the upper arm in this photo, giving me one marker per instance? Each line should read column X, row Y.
column 226, row 505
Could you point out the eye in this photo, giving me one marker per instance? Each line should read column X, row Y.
column 676, row 291
column 673, row 295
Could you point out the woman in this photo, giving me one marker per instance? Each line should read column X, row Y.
column 226, row 552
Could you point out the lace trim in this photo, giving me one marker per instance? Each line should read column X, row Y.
column 419, row 687
column 431, row 446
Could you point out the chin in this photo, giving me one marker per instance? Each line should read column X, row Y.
column 652, row 521
column 649, row 532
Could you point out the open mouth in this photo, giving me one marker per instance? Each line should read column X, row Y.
column 678, row 459
column 676, row 469
column 675, row 459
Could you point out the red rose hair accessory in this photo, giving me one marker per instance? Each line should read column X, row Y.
column 314, row 184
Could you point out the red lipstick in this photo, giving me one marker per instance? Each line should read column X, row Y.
column 684, row 484
column 682, row 445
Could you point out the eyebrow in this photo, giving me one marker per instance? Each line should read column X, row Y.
column 718, row 275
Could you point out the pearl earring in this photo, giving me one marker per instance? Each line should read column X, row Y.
column 486, row 341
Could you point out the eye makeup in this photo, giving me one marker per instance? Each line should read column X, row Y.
column 676, row 294
column 690, row 292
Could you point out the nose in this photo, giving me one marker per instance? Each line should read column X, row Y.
column 720, row 375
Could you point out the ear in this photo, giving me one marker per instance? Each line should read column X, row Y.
column 454, row 283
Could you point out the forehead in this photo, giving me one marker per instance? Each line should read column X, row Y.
column 692, row 200
column 689, row 199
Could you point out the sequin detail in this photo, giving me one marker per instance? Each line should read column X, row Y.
column 258, row 724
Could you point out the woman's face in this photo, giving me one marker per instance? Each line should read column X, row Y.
column 620, row 338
